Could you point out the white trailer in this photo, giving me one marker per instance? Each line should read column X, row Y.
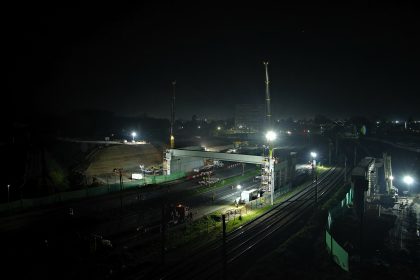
column 249, row 195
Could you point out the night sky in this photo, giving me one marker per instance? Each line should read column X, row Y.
column 363, row 59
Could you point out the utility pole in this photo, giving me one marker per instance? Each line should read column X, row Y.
column 8, row 193
column 345, row 168
column 107, row 182
column 121, row 188
column 316, row 187
column 163, row 229
column 336, row 147
column 316, row 183
column 329, row 152
column 224, row 247
column 361, row 231
column 172, row 138
column 120, row 170
column 355, row 155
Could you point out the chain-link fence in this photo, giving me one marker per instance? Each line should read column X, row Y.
column 88, row 192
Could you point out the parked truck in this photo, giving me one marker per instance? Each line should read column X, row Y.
column 247, row 196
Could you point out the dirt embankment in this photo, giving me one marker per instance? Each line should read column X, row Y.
column 128, row 157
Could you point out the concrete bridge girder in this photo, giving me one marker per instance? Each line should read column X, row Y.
column 277, row 174
column 217, row 156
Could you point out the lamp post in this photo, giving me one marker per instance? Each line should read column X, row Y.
column 119, row 172
column 313, row 155
column 271, row 136
column 8, row 193
column 133, row 134
column 408, row 180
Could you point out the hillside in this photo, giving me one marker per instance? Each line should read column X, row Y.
column 128, row 157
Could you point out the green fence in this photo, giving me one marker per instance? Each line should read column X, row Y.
column 339, row 255
column 89, row 192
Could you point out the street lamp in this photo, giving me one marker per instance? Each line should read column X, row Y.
column 270, row 136
column 219, row 128
column 133, row 134
column 313, row 155
column 408, row 180
column 8, row 193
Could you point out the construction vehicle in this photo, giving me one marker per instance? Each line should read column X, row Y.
column 176, row 214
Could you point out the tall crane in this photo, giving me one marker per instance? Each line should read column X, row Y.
column 172, row 138
column 267, row 97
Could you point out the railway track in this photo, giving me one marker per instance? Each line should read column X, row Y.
column 207, row 261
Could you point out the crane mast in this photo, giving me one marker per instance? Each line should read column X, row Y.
column 267, row 97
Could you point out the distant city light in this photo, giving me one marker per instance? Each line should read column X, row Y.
column 133, row 134
column 199, row 126
column 289, row 132
column 219, row 128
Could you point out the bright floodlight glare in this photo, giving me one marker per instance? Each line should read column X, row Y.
column 271, row 136
column 391, row 177
column 133, row 134
column 313, row 154
column 238, row 187
column 408, row 180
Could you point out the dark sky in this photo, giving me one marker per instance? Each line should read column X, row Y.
column 363, row 59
